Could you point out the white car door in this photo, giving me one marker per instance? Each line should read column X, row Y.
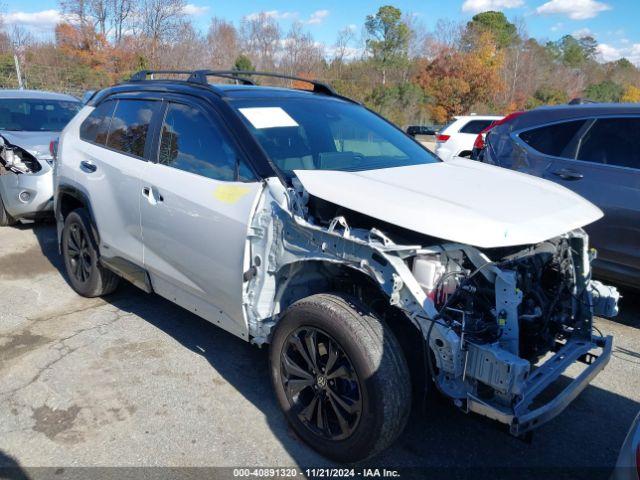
column 195, row 215
column 109, row 163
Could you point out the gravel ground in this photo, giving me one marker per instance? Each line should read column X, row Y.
column 133, row 380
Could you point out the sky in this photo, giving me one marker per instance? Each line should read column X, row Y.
column 612, row 22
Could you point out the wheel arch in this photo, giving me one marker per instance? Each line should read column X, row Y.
column 68, row 199
column 304, row 278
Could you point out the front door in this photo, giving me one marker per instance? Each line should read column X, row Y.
column 196, row 204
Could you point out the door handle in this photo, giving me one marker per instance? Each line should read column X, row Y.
column 568, row 174
column 152, row 195
column 88, row 166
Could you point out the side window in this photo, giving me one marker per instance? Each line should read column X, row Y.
column 191, row 142
column 612, row 141
column 555, row 140
column 130, row 124
column 476, row 126
column 96, row 126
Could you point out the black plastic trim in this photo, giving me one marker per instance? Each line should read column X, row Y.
column 129, row 271
column 83, row 199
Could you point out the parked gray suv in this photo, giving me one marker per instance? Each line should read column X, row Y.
column 302, row 220
column 594, row 150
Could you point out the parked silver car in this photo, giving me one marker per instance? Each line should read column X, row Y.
column 29, row 121
column 302, row 220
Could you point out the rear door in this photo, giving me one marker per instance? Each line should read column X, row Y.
column 600, row 160
column 110, row 163
column 197, row 198
column 608, row 157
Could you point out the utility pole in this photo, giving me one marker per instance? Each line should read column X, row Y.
column 18, row 74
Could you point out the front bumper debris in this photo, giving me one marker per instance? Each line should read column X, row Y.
column 28, row 195
column 526, row 413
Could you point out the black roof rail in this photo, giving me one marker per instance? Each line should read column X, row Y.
column 143, row 74
column 239, row 76
column 318, row 87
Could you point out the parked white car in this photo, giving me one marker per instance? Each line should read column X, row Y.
column 456, row 139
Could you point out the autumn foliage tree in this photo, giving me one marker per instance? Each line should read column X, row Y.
column 456, row 80
column 391, row 62
column 631, row 94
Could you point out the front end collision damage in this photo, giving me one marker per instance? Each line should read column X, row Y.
column 26, row 182
column 498, row 363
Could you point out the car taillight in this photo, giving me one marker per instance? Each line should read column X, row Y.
column 479, row 143
column 442, row 138
column 53, row 148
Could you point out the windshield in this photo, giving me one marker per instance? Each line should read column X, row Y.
column 36, row 115
column 324, row 134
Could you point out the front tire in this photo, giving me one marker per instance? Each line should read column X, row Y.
column 5, row 219
column 340, row 377
column 81, row 259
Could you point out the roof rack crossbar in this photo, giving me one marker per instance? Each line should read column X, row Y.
column 200, row 76
column 318, row 87
column 143, row 74
column 241, row 76
column 193, row 77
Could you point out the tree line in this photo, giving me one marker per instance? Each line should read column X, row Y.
column 391, row 63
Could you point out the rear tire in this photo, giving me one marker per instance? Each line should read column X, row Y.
column 5, row 219
column 351, row 398
column 81, row 258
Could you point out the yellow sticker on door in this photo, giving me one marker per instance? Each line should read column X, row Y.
column 230, row 193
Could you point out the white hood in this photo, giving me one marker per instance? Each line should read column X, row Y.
column 461, row 201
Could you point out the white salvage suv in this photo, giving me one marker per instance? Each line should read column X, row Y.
column 302, row 220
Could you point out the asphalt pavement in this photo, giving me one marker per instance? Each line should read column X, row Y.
column 133, row 380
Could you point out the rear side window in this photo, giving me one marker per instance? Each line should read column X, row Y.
column 555, row 140
column 612, row 141
column 191, row 142
column 130, row 125
column 96, row 126
column 476, row 126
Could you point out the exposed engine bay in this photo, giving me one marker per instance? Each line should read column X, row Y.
column 545, row 292
column 502, row 324
column 16, row 159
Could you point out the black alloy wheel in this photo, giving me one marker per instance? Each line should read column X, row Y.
column 340, row 376
column 79, row 254
column 87, row 276
column 321, row 384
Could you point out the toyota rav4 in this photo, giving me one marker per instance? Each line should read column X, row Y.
column 375, row 271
